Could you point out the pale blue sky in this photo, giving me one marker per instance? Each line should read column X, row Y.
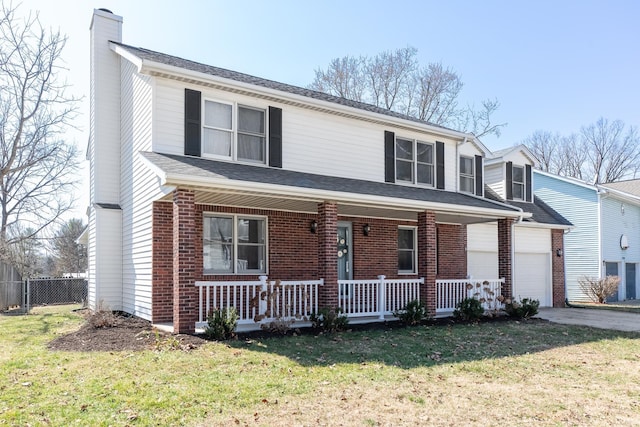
column 553, row 65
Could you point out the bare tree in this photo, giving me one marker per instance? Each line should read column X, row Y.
column 69, row 256
column 25, row 252
column 37, row 167
column 605, row 151
column 612, row 151
column 394, row 80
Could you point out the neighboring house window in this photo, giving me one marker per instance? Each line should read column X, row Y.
column 467, row 182
column 414, row 161
column 236, row 133
column 407, row 254
column 234, row 244
column 518, row 183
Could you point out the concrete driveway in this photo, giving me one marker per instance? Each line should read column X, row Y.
column 603, row 319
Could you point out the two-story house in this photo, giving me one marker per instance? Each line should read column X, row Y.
column 212, row 188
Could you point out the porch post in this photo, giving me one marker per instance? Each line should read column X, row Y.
column 427, row 259
column 558, row 273
column 505, row 251
column 185, row 294
column 328, row 253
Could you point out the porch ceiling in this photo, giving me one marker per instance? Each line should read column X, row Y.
column 275, row 202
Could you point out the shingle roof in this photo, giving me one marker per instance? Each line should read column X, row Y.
column 631, row 186
column 150, row 55
column 540, row 211
column 206, row 168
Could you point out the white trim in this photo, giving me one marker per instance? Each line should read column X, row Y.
column 523, row 183
column 235, row 218
column 473, row 175
column 414, row 162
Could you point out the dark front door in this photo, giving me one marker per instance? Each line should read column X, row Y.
column 630, row 280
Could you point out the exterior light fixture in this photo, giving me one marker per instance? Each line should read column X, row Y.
column 313, row 227
column 559, row 252
column 366, row 229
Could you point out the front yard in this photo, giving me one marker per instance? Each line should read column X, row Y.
column 503, row 373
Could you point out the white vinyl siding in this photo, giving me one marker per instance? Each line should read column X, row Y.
column 139, row 188
column 107, row 262
column 312, row 141
column 494, row 177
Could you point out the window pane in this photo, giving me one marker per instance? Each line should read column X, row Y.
column 466, row 165
column 404, row 170
column 425, row 153
column 251, row 147
column 251, row 257
column 518, row 174
column 217, row 115
column 518, row 191
column 405, row 238
column 405, row 261
column 250, row 120
column 425, row 174
column 218, row 244
column 466, row 184
column 404, row 149
column 216, row 142
column 251, row 231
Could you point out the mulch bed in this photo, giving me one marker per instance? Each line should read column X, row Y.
column 106, row 331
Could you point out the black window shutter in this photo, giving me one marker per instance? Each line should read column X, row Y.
column 509, row 181
column 479, row 178
column 389, row 156
column 275, row 137
column 527, row 184
column 440, row 165
column 192, row 124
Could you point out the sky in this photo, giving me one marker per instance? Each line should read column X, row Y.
column 553, row 65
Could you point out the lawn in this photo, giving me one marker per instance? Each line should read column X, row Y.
column 504, row 373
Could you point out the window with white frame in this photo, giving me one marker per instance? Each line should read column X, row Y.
column 407, row 254
column 518, row 183
column 234, row 132
column 467, row 176
column 414, row 161
column 234, row 244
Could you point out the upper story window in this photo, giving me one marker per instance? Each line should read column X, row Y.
column 518, row 182
column 234, row 132
column 414, row 161
column 467, row 175
column 234, row 244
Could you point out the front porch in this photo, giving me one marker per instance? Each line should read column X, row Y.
column 363, row 301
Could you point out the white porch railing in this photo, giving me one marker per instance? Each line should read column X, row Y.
column 450, row 292
column 377, row 297
column 259, row 301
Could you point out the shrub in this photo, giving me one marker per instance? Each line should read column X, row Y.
column 221, row 324
column 523, row 309
column 468, row 309
column 598, row 290
column 413, row 313
column 330, row 320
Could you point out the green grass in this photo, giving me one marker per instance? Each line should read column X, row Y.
column 511, row 373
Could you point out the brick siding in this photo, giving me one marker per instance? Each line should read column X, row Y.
column 558, row 274
column 162, row 262
column 505, row 231
column 452, row 251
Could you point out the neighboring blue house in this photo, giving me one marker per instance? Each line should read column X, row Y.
column 606, row 237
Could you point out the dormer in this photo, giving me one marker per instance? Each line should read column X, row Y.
column 508, row 173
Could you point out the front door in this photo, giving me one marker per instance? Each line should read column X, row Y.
column 345, row 259
column 630, row 279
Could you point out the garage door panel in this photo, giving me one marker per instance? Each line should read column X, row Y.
column 532, row 277
column 482, row 264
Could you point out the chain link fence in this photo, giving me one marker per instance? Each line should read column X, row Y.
column 55, row 291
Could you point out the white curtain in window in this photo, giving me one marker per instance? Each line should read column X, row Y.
column 251, row 134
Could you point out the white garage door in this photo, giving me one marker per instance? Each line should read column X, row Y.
column 532, row 277
column 482, row 265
